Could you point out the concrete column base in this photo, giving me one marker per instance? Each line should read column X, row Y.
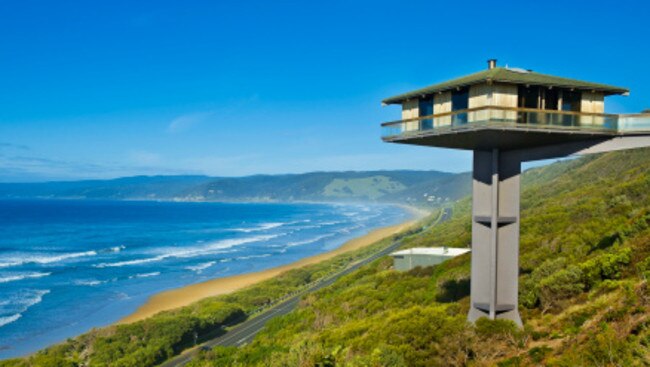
column 495, row 236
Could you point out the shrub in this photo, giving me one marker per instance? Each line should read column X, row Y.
column 561, row 285
column 605, row 266
column 643, row 268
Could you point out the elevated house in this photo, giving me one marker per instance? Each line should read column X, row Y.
column 507, row 116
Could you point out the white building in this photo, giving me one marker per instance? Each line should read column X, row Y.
column 424, row 256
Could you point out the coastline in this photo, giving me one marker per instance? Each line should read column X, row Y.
column 183, row 296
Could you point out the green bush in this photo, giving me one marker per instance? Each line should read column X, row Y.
column 605, row 266
column 643, row 268
column 560, row 285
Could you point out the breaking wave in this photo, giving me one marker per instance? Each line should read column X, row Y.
column 210, row 248
column 22, row 304
column 16, row 277
column 44, row 259
column 200, row 267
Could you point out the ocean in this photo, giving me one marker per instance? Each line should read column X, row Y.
column 67, row 266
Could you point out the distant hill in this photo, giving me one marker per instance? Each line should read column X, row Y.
column 414, row 187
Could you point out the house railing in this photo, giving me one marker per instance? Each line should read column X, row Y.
column 497, row 116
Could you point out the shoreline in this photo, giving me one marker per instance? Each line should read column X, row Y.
column 184, row 296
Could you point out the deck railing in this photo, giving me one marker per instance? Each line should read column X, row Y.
column 496, row 116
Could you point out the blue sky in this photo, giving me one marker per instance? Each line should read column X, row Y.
column 115, row 88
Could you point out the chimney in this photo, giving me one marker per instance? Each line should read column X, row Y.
column 492, row 63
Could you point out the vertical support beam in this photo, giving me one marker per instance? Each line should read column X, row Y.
column 495, row 236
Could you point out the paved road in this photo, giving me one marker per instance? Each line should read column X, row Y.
column 246, row 331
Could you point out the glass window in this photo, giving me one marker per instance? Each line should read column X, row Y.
column 460, row 99
column 426, row 106
column 571, row 100
column 550, row 99
column 528, row 97
column 426, row 109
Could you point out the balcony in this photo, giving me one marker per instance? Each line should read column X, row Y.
column 510, row 127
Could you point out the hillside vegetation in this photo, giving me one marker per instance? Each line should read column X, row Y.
column 584, row 299
column 430, row 188
column 585, row 260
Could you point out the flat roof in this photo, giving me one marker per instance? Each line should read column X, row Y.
column 437, row 251
column 508, row 76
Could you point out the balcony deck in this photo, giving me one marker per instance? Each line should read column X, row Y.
column 511, row 128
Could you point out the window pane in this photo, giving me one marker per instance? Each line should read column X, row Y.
column 571, row 100
column 551, row 99
column 426, row 107
column 528, row 97
column 460, row 99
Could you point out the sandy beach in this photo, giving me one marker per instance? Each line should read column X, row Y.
column 184, row 296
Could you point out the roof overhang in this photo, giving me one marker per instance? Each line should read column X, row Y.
column 508, row 76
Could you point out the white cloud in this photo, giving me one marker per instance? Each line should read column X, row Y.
column 185, row 122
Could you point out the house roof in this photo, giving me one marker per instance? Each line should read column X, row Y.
column 507, row 75
column 435, row 251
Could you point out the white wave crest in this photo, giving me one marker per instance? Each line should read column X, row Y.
column 131, row 262
column 16, row 277
column 252, row 257
column 9, row 319
column 311, row 240
column 200, row 267
column 270, row 225
column 91, row 282
column 44, row 259
column 145, row 275
column 23, row 304
column 261, row 227
column 350, row 229
column 331, row 223
column 210, row 248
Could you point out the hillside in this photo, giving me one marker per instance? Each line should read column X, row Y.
column 584, row 299
column 585, row 257
column 415, row 187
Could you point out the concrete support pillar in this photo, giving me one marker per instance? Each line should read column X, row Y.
column 495, row 236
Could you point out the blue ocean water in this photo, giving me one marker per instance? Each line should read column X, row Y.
column 69, row 266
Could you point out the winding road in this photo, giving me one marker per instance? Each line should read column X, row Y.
column 245, row 332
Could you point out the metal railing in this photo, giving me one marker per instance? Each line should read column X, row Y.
column 496, row 116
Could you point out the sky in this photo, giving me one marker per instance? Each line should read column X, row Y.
column 103, row 89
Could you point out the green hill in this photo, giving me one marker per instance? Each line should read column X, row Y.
column 585, row 257
column 584, row 298
column 414, row 187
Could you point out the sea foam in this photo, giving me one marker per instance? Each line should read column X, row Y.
column 200, row 267
column 22, row 304
column 145, row 275
column 16, row 277
column 269, row 225
column 261, row 227
column 9, row 319
column 210, row 248
column 310, row 240
column 44, row 259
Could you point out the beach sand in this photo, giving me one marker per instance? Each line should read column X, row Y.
column 184, row 296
